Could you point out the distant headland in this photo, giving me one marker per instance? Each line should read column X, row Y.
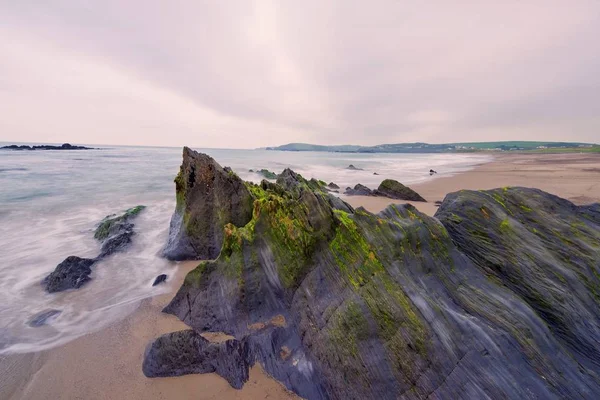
column 541, row 147
column 65, row 146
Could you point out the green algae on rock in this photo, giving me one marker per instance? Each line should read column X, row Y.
column 395, row 190
column 208, row 197
column 112, row 222
column 384, row 305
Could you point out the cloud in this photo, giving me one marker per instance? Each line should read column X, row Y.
column 258, row 73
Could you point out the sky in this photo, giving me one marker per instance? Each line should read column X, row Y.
column 247, row 74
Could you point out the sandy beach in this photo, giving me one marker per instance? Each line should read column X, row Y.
column 575, row 177
column 107, row 364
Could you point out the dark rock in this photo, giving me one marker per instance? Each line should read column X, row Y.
column 208, row 197
column 118, row 242
column 431, row 172
column 65, row 146
column 375, row 173
column 186, row 352
column 332, row 185
column 348, row 304
column 114, row 232
column 113, row 224
column 160, row 279
column 395, row 190
column 353, row 168
column 43, row 317
column 359, row 190
column 228, row 170
column 72, row 273
column 250, row 170
column 544, row 249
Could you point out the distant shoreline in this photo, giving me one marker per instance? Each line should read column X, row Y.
column 448, row 148
column 65, row 146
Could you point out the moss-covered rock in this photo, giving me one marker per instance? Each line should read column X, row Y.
column 208, row 197
column 112, row 224
column 544, row 249
column 343, row 303
column 395, row 190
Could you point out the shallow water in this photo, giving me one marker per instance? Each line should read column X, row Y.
column 51, row 202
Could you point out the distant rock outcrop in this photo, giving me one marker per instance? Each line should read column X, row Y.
column 65, row 146
column 353, row 168
column 332, row 185
column 359, row 190
column 499, row 300
column 208, row 197
column 267, row 174
column 395, row 190
column 115, row 233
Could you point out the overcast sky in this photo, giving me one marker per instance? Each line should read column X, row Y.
column 247, row 73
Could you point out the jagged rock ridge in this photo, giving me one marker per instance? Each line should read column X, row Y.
column 208, row 197
column 342, row 303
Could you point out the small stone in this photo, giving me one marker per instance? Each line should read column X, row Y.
column 160, row 279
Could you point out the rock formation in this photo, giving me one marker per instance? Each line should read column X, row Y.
column 395, row 190
column 115, row 233
column 353, row 168
column 341, row 303
column 208, row 197
column 268, row 174
column 359, row 190
column 65, row 146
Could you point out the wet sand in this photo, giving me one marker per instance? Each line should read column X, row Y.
column 575, row 177
column 107, row 364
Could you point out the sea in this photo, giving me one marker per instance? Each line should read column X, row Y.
column 52, row 201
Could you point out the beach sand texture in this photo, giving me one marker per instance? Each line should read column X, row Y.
column 107, row 364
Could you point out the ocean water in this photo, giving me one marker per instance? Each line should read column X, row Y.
column 51, row 202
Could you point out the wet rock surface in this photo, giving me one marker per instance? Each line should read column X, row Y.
column 208, row 197
column 342, row 303
column 72, row 273
column 115, row 233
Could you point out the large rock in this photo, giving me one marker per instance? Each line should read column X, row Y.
column 72, row 273
column 186, row 352
column 544, row 249
column 347, row 304
column 395, row 190
column 208, row 197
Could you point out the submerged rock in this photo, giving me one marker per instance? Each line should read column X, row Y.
column 186, row 352
column 72, row 273
column 114, row 232
column 160, row 279
column 395, row 190
column 208, row 197
column 43, row 317
column 359, row 190
column 342, row 303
